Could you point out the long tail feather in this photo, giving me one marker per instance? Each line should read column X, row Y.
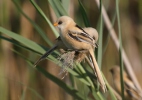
column 90, row 62
column 45, row 55
column 97, row 70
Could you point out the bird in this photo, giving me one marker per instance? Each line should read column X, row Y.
column 60, row 45
column 75, row 38
column 130, row 91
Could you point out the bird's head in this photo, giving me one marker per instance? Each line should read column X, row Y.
column 64, row 22
column 115, row 70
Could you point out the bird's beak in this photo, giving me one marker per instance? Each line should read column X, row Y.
column 55, row 24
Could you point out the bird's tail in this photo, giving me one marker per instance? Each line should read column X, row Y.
column 45, row 55
column 97, row 70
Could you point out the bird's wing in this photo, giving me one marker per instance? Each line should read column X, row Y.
column 129, row 84
column 131, row 89
column 85, row 34
column 81, row 36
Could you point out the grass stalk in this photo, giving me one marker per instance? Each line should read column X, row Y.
column 120, row 50
column 116, row 41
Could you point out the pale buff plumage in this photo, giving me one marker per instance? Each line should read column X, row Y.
column 75, row 38
column 130, row 91
column 60, row 45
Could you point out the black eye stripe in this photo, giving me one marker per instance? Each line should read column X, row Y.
column 60, row 22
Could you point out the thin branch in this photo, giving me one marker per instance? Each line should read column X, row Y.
column 116, row 41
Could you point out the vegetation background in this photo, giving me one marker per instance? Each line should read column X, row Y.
column 19, row 80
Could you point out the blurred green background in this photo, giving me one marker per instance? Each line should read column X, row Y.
column 20, row 81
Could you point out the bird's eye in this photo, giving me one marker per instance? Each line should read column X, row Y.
column 60, row 22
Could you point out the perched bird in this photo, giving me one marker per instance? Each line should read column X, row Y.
column 60, row 45
column 75, row 38
column 130, row 91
